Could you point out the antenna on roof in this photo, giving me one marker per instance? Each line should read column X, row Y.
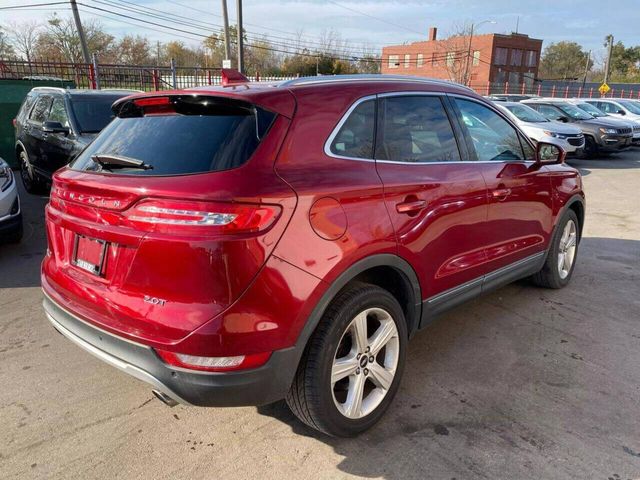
column 517, row 23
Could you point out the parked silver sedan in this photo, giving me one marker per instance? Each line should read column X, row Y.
column 10, row 214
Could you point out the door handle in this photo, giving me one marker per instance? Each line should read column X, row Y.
column 501, row 193
column 413, row 206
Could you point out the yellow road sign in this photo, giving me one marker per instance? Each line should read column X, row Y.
column 604, row 88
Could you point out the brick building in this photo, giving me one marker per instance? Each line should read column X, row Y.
column 495, row 58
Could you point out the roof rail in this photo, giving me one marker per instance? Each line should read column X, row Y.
column 367, row 77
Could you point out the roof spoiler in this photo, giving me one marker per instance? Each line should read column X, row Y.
column 231, row 76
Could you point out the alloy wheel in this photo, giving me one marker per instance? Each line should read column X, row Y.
column 567, row 249
column 365, row 363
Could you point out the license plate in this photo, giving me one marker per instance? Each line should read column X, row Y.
column 89, row 254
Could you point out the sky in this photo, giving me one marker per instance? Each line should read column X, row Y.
column 374, row 22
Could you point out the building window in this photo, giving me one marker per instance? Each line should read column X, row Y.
column 514, row 78
column 516, row 58
column 407, row 60
column 420, row 61
column 434, row 59
column 394, row 61
column 476, row 58
column 531, row 58
column 451, row 58
column 500, row 56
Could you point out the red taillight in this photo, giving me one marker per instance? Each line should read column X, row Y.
column 214, row 364
column 146, row 102
column 172, row 216
column 155, row 105
column 15, row 122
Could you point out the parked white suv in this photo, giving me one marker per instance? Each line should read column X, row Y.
column 10, row 215
column 539, row 129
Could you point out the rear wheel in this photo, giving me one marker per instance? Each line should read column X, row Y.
column 561, row 259
column 30, row 179
column 351, row 369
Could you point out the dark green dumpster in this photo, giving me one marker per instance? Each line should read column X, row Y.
column 12, row 93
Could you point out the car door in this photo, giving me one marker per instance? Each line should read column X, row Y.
column 60, row 146
column 437, row 199
column 519, row 218
column 34, row 137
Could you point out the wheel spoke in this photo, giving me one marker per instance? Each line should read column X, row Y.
column 353, row 405
column 571, row 242
column 386, row 331
column 382, row 377
column 561, row 257
column 343, row 367
column 359, row 332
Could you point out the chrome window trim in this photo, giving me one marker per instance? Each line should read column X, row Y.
column 336, row 129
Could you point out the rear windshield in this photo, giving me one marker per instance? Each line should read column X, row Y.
column 93, row 113
column 199, row 135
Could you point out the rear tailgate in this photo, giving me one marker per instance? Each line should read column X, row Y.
column 174, row 247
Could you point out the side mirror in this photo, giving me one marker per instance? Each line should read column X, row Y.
column 563, row 119
column 54, row 127
column 548, row 153
column 622, row 112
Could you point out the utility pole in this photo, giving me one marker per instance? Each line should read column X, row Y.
column 157, row 52
column 240, row 41
column 586, row 69
column 227, row 45
column 468, row 62
column 607, row 65
column 83, row 39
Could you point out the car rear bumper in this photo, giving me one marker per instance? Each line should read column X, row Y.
column 263, row 385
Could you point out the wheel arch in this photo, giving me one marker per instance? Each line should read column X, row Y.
column 385, row 270
column 575, row 203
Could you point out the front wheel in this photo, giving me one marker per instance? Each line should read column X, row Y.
column 351, row 369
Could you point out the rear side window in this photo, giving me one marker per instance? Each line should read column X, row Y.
column 189, row 135
column 39, row 112
column 415, row 129
column 493, row 137
column 355, row 137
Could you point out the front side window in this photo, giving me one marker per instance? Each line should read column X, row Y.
column 355, row 137
column 39, row 112
column 526, row 114
column 415, row 129
column 548, row 111
column 58, row 112
column 394, row 61
column 574, row 112
column 493, row 137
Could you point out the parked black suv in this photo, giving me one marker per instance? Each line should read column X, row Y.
column 54, row 124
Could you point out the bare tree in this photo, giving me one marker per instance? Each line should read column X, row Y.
column 454, row 53
column 25, row 37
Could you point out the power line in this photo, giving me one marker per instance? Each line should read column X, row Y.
column 28, row 6
column 375, row 18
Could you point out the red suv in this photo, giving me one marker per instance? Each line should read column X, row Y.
column 242, row 244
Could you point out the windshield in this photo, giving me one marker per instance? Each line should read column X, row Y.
column 590, row 109
column 526, row 114
column 574, row 112
column 631, row 106
column 202, row 134
column 93, row 113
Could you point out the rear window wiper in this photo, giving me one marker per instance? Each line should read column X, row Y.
column 110, row 162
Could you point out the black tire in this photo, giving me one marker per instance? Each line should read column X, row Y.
column 311, row 396
column 591, row 149
column 30, row 179
column 550, row 275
